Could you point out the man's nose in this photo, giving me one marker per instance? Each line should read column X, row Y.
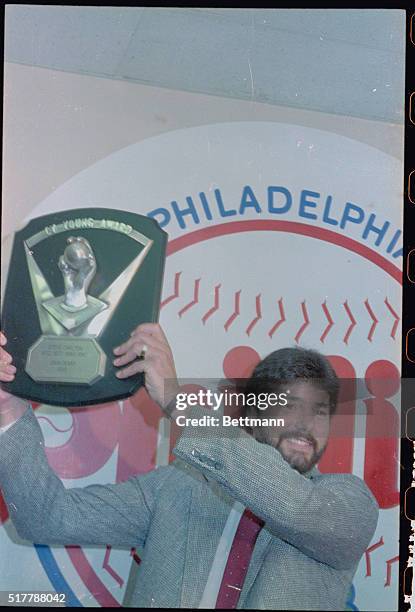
column 305, row 420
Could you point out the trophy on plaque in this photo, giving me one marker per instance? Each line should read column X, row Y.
column 79, row 282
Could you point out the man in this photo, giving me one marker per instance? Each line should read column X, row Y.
column 237, row 520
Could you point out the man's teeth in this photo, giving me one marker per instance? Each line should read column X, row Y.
column 300, row 441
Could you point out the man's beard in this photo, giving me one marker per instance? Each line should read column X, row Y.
column 297, row 460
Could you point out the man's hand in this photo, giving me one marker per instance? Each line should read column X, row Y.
column 149, row 342
column 7, row 369
column 11, row 407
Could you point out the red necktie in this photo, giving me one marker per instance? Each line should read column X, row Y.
column 238, row 560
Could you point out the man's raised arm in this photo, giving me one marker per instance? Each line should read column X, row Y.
column 42, row 509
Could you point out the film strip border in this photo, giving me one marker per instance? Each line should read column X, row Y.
column 407, row 506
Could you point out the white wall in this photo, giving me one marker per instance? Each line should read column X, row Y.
column 57, row 124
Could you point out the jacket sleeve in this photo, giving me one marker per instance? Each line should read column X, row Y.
column 45, row 512
column 331, row 518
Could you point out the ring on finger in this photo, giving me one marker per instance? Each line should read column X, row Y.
column 144, row 351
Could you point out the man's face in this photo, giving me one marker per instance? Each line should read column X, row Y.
column 303, row 439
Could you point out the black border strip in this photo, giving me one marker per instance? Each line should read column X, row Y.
column 408, row 318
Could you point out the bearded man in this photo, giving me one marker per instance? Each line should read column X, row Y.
column 241, row 518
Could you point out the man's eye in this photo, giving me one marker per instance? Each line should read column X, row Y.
column 322, row 412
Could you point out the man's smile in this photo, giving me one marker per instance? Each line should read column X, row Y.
column 299, row 443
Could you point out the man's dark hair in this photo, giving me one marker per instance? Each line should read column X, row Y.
column 293, row 365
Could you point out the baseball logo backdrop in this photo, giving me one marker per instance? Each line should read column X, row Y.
column 279, row 235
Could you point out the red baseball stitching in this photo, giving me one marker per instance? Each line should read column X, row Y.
column 236, row 311
column 258, row 315
column 352, row 324
column 395, row 315
column 280, row 320
column 194, row 301
column 374, row 319
column 367, row 555
column 175, row 293
column 305, row 324
column 389, row 569
column 215, row 306
column 329, row 319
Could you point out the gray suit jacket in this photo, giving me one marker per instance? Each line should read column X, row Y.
column 316, row 527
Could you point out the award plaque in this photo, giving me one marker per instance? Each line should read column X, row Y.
column 79, row 282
